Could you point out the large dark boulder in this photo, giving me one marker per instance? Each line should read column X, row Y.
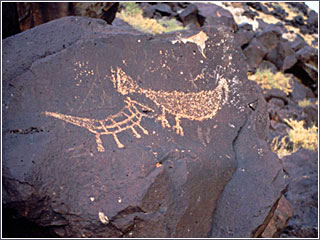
column 255, row 52
column 298, row 43
column 189, row 16
column 252, row 163
column 299, row 91
column 306, row 67
column 308, row 55
column 109, row 133
column 269, row 37
column 312, row 22
column 163, row 9
column 243, row 37
column 283, row 56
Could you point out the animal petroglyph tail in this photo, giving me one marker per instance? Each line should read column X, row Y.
column 128, row 118
column 197, row 106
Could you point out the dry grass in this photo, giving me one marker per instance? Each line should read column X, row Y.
column 268, row 80
column 132, row 14
column 281, row 146
column 302, row 137
column 298, row 137
column 304, row 103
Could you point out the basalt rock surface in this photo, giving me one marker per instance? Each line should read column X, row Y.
column 110, row 133
column 301, row 167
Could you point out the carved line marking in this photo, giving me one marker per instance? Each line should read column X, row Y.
column 130, row 115
column 81, row 70
column 198, row 106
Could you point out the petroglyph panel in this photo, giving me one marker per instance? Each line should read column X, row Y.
column 200, row 94
column 196, row 106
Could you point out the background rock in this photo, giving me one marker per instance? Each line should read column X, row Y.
column 10, row 20
column 279, row 220
column 302, row 193
column 213, row 15
column 24, row 16
column 255, row 53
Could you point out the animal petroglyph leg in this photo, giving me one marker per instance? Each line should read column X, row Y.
column 143, row 130
column 119, row 144
column 136, row 134
column 99, row 143
column 163, row 120
column 177, row 127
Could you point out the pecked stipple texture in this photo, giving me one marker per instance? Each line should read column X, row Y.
column 110, row 133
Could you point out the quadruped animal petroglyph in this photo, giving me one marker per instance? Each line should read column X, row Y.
column 194, row 106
